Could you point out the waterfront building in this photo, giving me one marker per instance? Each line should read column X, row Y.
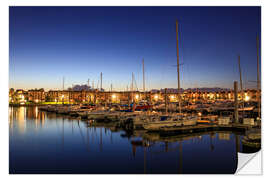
column 96, row 96
column 36, row 95
column 19, row 96
column 11, row 94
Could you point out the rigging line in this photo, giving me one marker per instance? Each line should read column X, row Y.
column 135, row 84
column 164, row 68
column 182, row 55
column 181, row 42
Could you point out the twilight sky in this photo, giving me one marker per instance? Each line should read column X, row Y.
column 47, row 43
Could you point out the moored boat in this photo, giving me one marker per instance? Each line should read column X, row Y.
column 158, row 122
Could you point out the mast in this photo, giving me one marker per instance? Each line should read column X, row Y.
column 131, row 83
column 241, row 84
column 166, row 102
column 143, row 76
column 63, row 89
column 178, row 73
column 236, row 120
column 132, row 87
column 128, row 94
column 63, row 83
column 100, row 81
column 258, row 79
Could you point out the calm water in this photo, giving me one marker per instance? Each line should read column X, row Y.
column 41, row 142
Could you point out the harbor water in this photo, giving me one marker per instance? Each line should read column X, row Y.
column 43, row 142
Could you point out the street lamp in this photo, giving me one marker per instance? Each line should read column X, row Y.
column 247, row 98
column 113, row 98
column 63, row 98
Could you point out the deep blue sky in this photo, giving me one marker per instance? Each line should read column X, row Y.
column 47, row 43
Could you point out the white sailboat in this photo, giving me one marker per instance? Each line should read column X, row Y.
column 155, row 122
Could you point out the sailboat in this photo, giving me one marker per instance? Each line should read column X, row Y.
column 155, row 122
column 160, row 122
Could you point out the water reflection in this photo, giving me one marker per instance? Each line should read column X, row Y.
column 52, row 143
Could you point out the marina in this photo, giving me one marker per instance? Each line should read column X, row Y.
column 165, row 92
column 56, row 140
column 153, row 121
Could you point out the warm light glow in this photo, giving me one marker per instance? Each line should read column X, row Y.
column 247, row 98
column 63, row 96
column 113, row 96
column 156, row 97
column 36, row 110
column 36, row 100
column 137, row 96
column 172, row 96
column 199, row 114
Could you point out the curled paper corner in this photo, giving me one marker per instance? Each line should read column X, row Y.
column 249, row 164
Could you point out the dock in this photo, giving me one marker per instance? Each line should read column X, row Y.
column 203, row 128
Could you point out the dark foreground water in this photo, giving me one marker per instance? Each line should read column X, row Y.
column 41, row 142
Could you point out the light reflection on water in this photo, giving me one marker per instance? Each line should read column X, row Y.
column 42, row 142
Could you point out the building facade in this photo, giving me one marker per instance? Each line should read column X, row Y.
column 36, row 95
column 95, row 96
